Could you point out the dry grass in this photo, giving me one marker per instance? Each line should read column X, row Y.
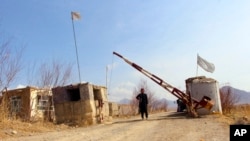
column 17, row 128
column 239, row 114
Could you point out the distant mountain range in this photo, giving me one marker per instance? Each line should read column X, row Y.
column 124, row 101
column 244, row 97
column 170, row 102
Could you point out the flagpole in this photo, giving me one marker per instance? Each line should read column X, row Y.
column 76, row 47
column 197, row 65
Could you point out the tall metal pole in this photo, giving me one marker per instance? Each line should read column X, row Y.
column 76, row 49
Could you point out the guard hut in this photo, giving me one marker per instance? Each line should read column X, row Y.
column 201, row 86
column 81, row 103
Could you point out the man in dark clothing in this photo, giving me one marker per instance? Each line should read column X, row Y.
column 180, row 105
column 143, row 103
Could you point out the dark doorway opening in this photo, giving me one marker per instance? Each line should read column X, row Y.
column 74, row 94
column 97, row 94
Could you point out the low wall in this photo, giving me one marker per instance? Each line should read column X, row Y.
column 125, row 109
column 113, row 109
column 77, row 112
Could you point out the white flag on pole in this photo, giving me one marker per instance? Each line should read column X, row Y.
column 75, row 15
column 207, row 66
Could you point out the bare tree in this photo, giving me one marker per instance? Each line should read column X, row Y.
column 228, row 99
column 152, row 101
column 49, row 75
column 10, row 66
column 54, row 74
column 10, row 63
column 154, row 104
column 163, row 105
column 134, row 102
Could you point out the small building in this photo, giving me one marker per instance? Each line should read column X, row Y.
column 29, row 103
column 202, row 86
column 81, row 104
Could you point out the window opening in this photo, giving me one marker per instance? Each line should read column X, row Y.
column 43, row 102
column 97, row 94
column 15, row 104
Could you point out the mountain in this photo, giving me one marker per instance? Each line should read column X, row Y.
column 244, row 96
column 124, row 101
column 171, row 103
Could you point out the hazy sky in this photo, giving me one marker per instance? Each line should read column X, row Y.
column 162, row 36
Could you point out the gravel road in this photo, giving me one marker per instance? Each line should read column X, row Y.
column 167, row 126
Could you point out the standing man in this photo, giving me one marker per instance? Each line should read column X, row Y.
column 143, row 103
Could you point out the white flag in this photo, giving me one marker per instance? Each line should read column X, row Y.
column 75, row 15
column 205, row 64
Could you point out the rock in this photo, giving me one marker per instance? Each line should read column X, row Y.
column 245, row 118
column 14, row 132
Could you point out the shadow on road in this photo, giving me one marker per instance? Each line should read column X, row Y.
column 172, row 115
column 127, row 121
column 177, row 115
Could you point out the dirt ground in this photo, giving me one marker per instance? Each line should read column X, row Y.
column 167, row 126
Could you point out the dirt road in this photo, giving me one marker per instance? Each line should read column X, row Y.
column 159, row 127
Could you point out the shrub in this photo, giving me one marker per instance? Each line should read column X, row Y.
column 228, row 99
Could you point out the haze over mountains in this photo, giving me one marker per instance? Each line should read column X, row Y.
column 244, row 97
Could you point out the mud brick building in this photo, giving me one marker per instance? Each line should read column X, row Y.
column 28, row 103
column 81, row 103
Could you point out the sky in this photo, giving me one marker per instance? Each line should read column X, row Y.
column 162, row 36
